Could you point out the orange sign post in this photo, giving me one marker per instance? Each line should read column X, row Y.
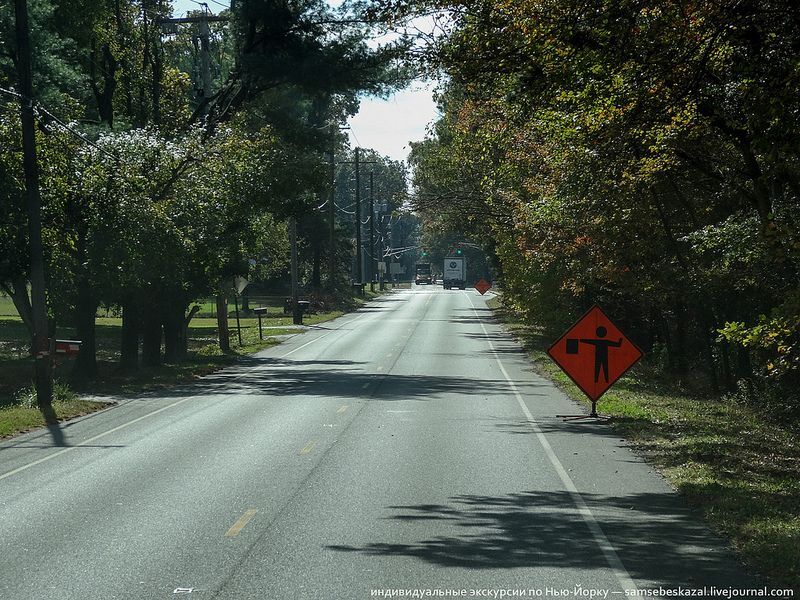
column 594, row 353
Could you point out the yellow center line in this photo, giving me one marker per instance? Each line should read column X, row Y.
column 342, row 409
column 239, row 525
column 308, row 447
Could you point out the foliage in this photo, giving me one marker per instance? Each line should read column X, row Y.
column 639, row 155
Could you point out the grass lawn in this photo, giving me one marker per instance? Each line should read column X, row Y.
column 18, row 413
column 739, row 471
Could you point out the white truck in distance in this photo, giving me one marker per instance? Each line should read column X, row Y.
column 455, row 273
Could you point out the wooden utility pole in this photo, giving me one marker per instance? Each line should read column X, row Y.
column 359, row 273
column 223, row 330
column 332, row 220
column 297, row 317
column 371, row 253
column 41, row 347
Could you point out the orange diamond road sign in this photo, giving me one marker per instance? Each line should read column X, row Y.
column 482, row 286
column 594, row 353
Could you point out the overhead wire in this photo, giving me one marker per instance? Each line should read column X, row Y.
column 41, row 108
column 347, row 212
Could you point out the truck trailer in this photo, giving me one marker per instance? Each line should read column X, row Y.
column 454, row 273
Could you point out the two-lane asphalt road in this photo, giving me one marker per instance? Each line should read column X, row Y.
column 405, row 446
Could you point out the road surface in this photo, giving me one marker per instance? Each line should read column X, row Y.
column 408, row 446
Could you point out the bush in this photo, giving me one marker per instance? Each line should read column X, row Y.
column 26, row 397
column 777, row 400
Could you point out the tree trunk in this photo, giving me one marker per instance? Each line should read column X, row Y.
column 173, row 323
column 151, row 337
column 108, row 73
column 183, row 338
column 744, row 368
column 664, row 326
column 157, row 69
column 727, row 373
column 176, row 332
column 316, row 277
column 18, row 292
column 131, row 329
column 126, row 76
column 86, row 364
column 681, row 328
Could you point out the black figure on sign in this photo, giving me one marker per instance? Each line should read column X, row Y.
column 600, row 351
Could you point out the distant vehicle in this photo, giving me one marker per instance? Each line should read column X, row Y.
column 455, row 273
column 423, row 274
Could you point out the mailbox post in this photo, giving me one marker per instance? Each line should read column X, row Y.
column 259, row 313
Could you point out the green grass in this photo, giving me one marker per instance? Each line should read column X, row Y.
column 205, row 356
column 21, row 413
column 7, row 308
column 740, row 472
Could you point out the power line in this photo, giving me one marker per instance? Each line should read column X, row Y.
column 347, row 212
column 40, row 107
column 355, row 137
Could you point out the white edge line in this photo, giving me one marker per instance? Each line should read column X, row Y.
column 136, row 420
column 611, row 556
column 307, row 344
column 92, row 439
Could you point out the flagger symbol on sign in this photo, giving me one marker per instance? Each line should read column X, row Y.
column 601, row 347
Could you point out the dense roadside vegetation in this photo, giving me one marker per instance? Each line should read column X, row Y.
column 741, row 473
column 167, row 172
column 640, row 155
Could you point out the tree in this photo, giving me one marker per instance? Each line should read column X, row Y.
column 627, row 153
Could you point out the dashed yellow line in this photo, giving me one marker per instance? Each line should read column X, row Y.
column 342, row 409
column 308, row 447
column 237, row 527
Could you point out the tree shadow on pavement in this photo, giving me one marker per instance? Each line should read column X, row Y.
column 53, row 426
column 344, row 379
column 656, row 538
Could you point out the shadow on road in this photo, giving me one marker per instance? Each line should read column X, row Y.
column 340, row 378
column 53, row 426
column 655, row 536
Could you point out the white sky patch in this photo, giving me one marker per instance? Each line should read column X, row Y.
column 389, row 125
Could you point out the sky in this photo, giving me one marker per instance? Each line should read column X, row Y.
column 386, row 126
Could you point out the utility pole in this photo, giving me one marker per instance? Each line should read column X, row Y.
column 204, row 34
column 359, row 273
column 371, row 253
column 297, row 317
column 332, row 221
column 41, row 347
column 205, row 62
column 357, row 162
column 332, row 210
column 223, row 331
